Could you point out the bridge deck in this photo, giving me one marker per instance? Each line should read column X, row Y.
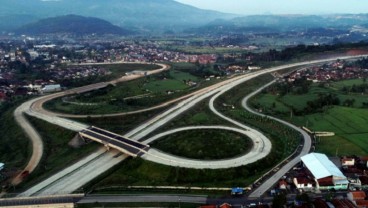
column 126, row 145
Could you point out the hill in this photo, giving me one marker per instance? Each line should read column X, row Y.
column 278, row 23
column 72, row 24
column 143, row 15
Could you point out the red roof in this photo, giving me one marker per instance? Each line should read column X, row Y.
column 320, row 203
column 362, row 203
column 325, row 181
column 358, row 195
column 225, row 205
column 343, row 203
column 282, row 182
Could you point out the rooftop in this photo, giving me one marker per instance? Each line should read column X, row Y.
column 320, row 166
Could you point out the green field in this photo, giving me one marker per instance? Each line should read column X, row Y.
column 281, row 105
column 349, row 123
column 204, row 144
column 136, row 94
column 127, row 96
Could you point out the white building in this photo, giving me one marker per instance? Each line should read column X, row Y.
column 51, row 88
column 2, row 165
column 325, row 173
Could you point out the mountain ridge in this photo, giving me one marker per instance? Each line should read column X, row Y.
column 144, row 15
column 72, row 24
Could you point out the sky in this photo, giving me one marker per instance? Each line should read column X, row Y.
column 250, row 7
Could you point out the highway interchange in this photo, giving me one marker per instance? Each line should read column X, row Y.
column 75, row 176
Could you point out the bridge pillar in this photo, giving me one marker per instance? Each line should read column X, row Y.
column 83, row 138
column 107, row 147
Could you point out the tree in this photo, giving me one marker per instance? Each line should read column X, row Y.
column 279, row 200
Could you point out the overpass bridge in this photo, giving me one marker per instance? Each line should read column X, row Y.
column 111, row 140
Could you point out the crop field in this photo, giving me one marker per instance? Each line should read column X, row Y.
column 275, row 104
column 350, row 124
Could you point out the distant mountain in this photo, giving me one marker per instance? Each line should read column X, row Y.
column 143, row 15
column 72, row 24
column 267, row 23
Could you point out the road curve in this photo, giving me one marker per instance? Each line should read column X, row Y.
column 259, row 150
column 38, row 104
column 266, row 185
column 168, row 115
column 34, row 108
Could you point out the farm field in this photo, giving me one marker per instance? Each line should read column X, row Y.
column 350, row 124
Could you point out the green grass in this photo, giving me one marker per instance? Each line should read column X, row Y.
column 284, row 103
column 346, row 83
column 113, row 99
column 204, row 144
column 349, row 123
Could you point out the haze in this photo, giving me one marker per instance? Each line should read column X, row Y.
column 251, row 7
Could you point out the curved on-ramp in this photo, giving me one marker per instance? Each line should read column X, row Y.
column 260, row 149
column 259, row 191
column 35, row 108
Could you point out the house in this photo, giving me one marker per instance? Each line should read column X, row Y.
column 343, row 203
column 347, row 161
column 320, row 203
column 283, row 185
column 2, row 165
column 356, row 195
column 326, row 175
column 362, row 203
column 355, row 182
column 303, row 183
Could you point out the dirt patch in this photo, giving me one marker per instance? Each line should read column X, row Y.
column 77, row 142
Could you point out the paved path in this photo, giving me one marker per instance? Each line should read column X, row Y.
column 266, row 185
